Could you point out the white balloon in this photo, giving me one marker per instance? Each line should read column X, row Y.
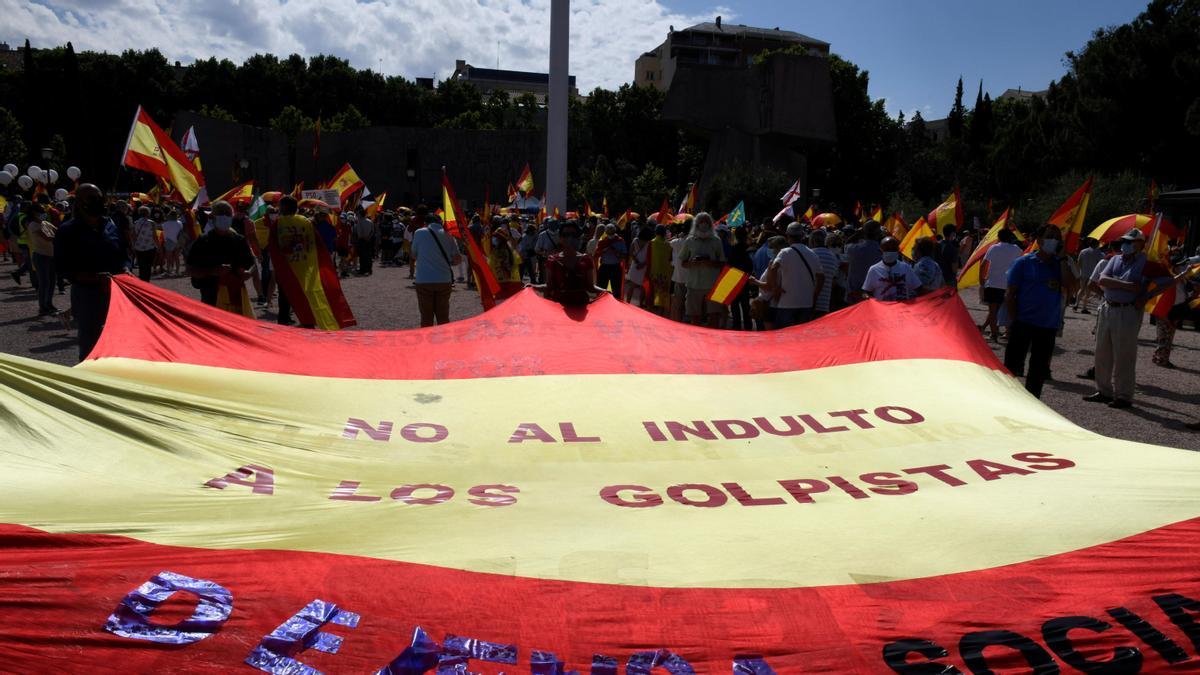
column 25, row 182
column 73, row 172
column 5, row 177
column 34, row 171
column 12, row 169
column 60, row 195
column 53, row 176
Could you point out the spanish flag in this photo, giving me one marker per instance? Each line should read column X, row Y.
column 605, row 206
column 306, row 274
column 896, row 227
column 150, row 149
column 729, row 284
column 920, row 229
column 376, row 205
column 969, row 275
column 1069, row 217
column 525, row 182
column 664, row 213
column 949, row 212
column 809, row 213
column 688, row 205
column 232, row 295
column 877, row 214
column 238, row 194
column 456, row 226
column 346, row 182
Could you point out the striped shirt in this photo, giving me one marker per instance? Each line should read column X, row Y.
column 829, row 264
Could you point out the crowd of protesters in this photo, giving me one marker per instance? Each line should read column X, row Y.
column 795, row 272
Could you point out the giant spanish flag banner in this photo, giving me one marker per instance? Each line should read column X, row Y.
column 213, row 494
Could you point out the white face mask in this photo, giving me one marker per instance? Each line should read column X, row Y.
column 222, row 223
column 1050, row 246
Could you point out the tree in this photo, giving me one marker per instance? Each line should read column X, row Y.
column 954, row 121
column 649, row 188
column 348, row 120
column 291, row 121
column 216, row 112
column 12, row 146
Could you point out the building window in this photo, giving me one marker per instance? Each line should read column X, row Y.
column 650, row 75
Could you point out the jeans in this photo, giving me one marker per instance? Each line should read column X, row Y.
column 284, row 317
column 366, row 255
column 792, row 316
column 145, row 264
column 610, row 274
column 1038, row 343
column 89, row 307
column 43, row 266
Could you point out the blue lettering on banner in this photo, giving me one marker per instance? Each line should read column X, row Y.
column 131, row 619
column 301, row 631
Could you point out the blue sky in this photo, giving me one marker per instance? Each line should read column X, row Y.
column 915, row 50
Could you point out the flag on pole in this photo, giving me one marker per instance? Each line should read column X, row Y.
column 316, row 153
column 896, row 227
column 239, row 194
column 541, row 214
column 1069, row 217
column 378, row 204
column 512, row 194
column 920, row 229
column 298, row 191
column 877, row 214
column 1153, row 195
column 858, row 209
column 792, row 194
column 525, row 182
column 191, row 148
column 149, row 149
column 737, row 217
column 688, row 205
column 605, row 206
column 664, row 216
column 456, row 226
column 1158, row 267
column 346, row 182
column 949, row 212
column 728, row 285
column 968, row 276
column 788, row 210
column 809, row 213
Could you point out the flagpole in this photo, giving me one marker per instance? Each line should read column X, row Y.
column 556, row 127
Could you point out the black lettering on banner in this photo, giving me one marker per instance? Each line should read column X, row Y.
column 1176, row 607
column 1165, row 646
column 895, row 656
column 1056, row 634
column 971, row 648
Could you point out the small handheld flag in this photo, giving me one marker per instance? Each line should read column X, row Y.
column 729, row 284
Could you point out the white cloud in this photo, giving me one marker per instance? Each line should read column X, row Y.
column 413, row 38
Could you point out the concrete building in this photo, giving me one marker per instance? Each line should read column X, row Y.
column 515, row 82
column 1019, row 94
column 715, row 44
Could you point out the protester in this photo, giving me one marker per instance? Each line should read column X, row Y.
column 292, row 237
column 1118, row 323
column 41, row 233
column 1036, row 287
column 703, row 256
column 145, row 242
column 795, row 279
column 925, row 264
column 891, row 278
column 505, row 263
column 220, row 257
column 171, row 230
column 1089, row 257
column 570, row 276
column 364, row 243
column 994, row 273
column 639, row 266
column 762, row 307
column 860, row 257
column 436, row 254
column 948, row 256
column 611, row 252
column 679, row 274
column 739, row 259
column 661, row 271
column 87, row 252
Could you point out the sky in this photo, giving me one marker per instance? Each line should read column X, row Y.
column 915, row 50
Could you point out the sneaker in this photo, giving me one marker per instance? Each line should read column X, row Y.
column 1120, row 403
column 1097, row 398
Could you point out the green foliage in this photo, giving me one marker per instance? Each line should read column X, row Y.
column 216, row 112
column 649, row 188
column 757, row 185
column 12, row 146
column 291, row 121
column 348, row 120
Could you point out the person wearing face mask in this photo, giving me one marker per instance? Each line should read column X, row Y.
column 221, row 256
column 702, row 256
column 1036, row 284
column 87, row 251
column 505, row 262
column 570, row 275
column 891, row 278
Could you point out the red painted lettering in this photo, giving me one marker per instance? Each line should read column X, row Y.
column 885, row 413
column 680, row 432
column 802, row 488
column 855, row 416
column 715, row 496
column 263, row 482
column 569, row 436
column 527, row 431
column 345, row 491
column 816, row 426
column 404, row 493
column 847, row 487
column 656, row 434
column 1043, row 461
column 938, row 471
column 993, row 470
column 355, row 425
column 409, row 433
column 888, row 483
column 726, row 429
column 794, row 426
column 739, row 493
column 642, row 497
column 486, row 495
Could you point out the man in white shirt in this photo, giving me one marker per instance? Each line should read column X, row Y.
column 994, row 272
column 678, row 278
column 796, row 277
column 364, row 243
column 829, row 265
column 1089, row 258
column 891, row 279
column 171, row 228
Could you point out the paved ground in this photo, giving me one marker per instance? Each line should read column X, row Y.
column 1165, row 398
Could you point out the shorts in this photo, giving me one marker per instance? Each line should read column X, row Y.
column 170, row 245
column 993, row 296
column 698, row 303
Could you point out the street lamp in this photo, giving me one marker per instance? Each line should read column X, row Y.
column 47, row 154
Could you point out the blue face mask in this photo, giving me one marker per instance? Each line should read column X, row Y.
column 890, row 257
column 1127, row 247
column 1050, row 246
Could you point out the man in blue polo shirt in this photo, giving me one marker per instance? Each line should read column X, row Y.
column 1036, row 284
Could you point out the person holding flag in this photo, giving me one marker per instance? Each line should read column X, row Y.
column 304, row 271
column 570, row 276
column 703, row 257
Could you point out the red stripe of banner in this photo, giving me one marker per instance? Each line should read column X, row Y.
column 57, row 592
column 528, row 335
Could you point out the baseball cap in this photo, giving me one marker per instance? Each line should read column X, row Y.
column 1134, row 235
